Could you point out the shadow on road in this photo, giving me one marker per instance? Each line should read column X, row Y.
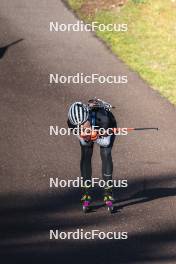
column 4, row 49
column 139, row 197
column 145, row 196
column 26, row 220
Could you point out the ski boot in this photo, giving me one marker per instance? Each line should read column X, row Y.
column 108, row 199
column 86, row 200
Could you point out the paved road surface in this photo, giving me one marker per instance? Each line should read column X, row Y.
column 29, row 156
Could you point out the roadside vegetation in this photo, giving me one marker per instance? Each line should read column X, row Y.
column 149, row 45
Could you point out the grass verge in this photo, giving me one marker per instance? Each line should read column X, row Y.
column 149, row 45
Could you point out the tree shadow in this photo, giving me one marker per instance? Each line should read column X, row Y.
column 4, row 49
column 144, row 247
column 144, row 196
column 26, row 220
column 133, row 195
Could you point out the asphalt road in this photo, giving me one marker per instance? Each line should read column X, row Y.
column 29, row 156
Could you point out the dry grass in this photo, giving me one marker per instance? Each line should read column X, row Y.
column 91, row 7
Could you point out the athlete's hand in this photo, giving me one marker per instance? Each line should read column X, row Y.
column 86, row 131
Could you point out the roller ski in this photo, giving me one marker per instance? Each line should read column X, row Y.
column 86, row 201
column 108, row 199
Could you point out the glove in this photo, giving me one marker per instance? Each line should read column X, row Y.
column 92, row 136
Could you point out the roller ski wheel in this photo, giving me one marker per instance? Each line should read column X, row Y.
column 86, row 200
column 110, row 207
column 109, row 203
column 86, row 206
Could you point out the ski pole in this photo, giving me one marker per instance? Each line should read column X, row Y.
column 94, row 134
column 143, row 128
column 129, row 129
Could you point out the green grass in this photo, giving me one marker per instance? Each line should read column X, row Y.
column 149, row 46
column 76, row 4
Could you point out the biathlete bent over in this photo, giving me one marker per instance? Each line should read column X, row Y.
column 95, row 114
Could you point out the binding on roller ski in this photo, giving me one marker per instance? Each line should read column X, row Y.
column 87, row 199
column 86, row 202
column 96, row 113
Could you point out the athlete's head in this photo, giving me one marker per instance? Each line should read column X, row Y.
column 78, row 113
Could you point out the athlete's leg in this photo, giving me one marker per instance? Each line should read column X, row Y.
column 86, row 167
column 107, row 163
column 86, row 164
